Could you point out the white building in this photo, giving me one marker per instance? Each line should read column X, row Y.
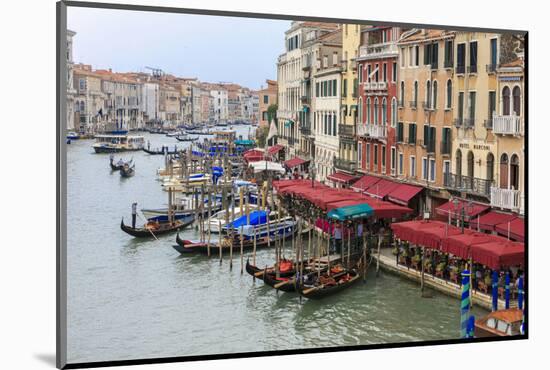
column 71, row 91
column 220, row 104
column 150, row 101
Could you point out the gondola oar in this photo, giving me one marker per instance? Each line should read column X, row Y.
column 154, row 236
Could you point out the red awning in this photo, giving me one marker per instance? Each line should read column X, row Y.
column 514, row 229
column 275, row 149
column 499, row 254
column 384, row 209
column 456, row 211
column 412, row 230
column 365, row 182
column 294, row 162
column 341, row 177
column 381, row 188
column 488, row 221
column 460, row 244
column 404, row 193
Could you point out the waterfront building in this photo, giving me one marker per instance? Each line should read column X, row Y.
column 294, row 83
column 508, row 126
column 347, row 158
column 325, row 107
column 267, row 96
column 169, row 104
column 91, row 111
column 196, row 104
column 377, row 73
column 255, row 99
column 71, row 91
column 150, row 101
column 424, row 131
column 219, row 95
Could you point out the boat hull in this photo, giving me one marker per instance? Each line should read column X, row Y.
column 325, row 291
column 145, row 233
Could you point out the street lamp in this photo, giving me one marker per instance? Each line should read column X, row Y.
column 462, row 211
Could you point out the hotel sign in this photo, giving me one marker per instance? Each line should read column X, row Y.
column 475, row 146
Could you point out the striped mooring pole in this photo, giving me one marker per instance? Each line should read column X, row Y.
column 495, row 290
column 465, row 304
column 520, row 304
column 507, row 291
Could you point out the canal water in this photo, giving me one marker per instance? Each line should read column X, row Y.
column 132, row 298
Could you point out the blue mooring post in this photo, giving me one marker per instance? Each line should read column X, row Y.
column 471, row 326
column 495, row 291
column 465, row 304
column 507, row 291
column 520, row 293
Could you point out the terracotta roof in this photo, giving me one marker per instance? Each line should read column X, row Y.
column 332, row 37
column 323, row 25
column 515, row 63
column 421, row 35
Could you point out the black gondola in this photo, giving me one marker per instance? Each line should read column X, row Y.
column 117, row 167
column 159, row 151
column 189, row 246
column 186, row 138
column 127, row 170
column 156, row 228
column 327, row 285
column 285, row 282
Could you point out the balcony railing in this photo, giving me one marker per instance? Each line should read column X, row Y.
column 373, row 131
column 346, row 130
column 458, row 122
column 427, row 105
column 401, row 104
column 507, row 125
column 460, row 69
column 428, row 145
column 448, row 64
column 434, row 65
column 413, row 104
column 378, row 50
column 375, row 86
column 305, row 99
column 468, row 122
column 506, row 198
column 305, row 129
column 345, row 164
column 472, row 69
column 468, row 184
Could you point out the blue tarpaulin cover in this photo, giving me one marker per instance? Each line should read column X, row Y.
column 351, row 212
column 256, row 218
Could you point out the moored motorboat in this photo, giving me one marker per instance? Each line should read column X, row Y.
column 71, row 135
column 114, row 143
column 499, row 323
column 154, row 228
column 219, row 218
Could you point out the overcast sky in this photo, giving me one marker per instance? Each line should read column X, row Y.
column 212, row 48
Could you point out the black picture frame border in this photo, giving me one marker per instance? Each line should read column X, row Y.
column 61, row 188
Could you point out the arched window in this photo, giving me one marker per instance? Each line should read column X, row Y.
column 428, row 93
column 375, row 111
column 506, row 101
column 384, row 112
column 449, row 101
column 368, row 110
column 402, row 94
column 514, row 172
column 490, row 167
column 415, row 92
column 458, row 164
column 434, row 100
column 393, row 112
column 516, row 94
column 470, row 164
column 504, row 171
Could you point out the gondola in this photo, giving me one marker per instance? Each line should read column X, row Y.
column 327, row 285
column 186, row 138
column 285, row 282
column 117, row 167
column 190, row 246
column 160, row 152
column 156, row 228
column 127, row 170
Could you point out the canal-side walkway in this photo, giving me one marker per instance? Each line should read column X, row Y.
column 388, row 263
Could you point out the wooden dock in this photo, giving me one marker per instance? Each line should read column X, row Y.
column 447, row 287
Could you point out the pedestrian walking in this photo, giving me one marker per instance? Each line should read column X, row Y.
column 134, row 214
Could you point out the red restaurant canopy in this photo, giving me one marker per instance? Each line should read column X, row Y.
column 515, row 229
column 381, row 188
column 498, row 254
column 341, row 177
column 294, row 162
column 275, row 149
column 456, row 211
column 365, row 182
column 404, row 193
column 488, row 221
column 253, row 155
column 459, row 244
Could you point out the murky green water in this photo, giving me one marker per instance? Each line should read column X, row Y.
column 131, row 298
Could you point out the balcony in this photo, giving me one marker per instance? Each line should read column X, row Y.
column 468, row 184
column 401, row 104
column 306, row 67
column 491, row 68
column 382, row 50
column 468, row 122
column 434, row 66
column 345, row 165
column 458, row 122
column 460, row 69
column 506, row 198
column 488, row 124
column 346, row 130
column 448, row 64
column 305, row 129
column 507, row 125
column 413, row 104
column 427, row 105
column 445, row 147
column 428, row 145
column 305, row 99
column 472, row 69
column 375, row 86
column 372, row 131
